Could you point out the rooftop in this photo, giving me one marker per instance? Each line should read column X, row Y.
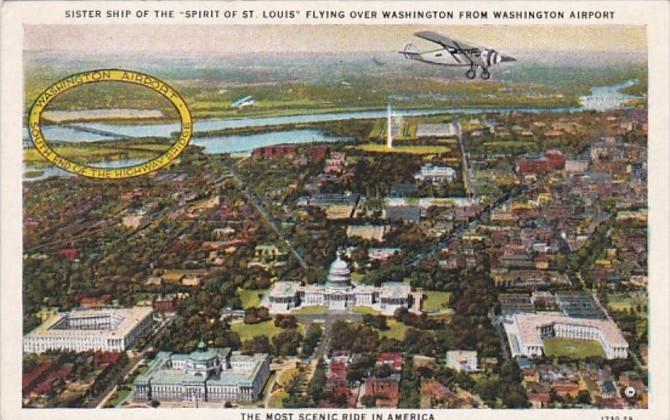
column 529, row 327
column 122, row 321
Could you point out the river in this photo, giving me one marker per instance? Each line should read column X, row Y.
column 602, row 98
column 49, row 171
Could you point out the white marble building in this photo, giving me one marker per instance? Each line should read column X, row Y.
column 206, row 374
column 526, row 333
column 107, row 329
column 435, row 174
column 338, row 293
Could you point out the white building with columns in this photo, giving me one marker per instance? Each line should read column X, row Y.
column 338, row 293
column 526, row 333
column 206, row 374
column 106, row 329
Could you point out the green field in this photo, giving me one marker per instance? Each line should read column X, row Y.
column 414, row 150
column 249, row 331
column 435, row 301
column 285, row 376
column 356, row 277
column 311, row 310
column 118, row 397
column 407, row 132
column 277, row 399
column 364, row 310
column 628, row 301
column 250, row 298
column 396, row 330
column 576, row 349
column 98, row 152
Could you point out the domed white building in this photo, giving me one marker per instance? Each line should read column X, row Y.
column 338, row 293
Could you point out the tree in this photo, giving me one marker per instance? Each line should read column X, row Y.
column 409, row 386
column 584, row 397
column 383, row 371
column 487, row 389
column 258, row 344
column 375, row 321
column 312, row 337
column 514, row 396
column 286, row 343
column 317, row 386
column 286, row 321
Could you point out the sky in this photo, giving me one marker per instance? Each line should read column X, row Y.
column 183, row 40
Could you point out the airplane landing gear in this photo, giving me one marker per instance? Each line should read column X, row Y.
column 485, row 74
column 471, row 74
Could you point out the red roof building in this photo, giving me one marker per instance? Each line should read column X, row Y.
column 539, row 399
column 45, row 387
column 556, row 159
column 91, row 302
column 269, row 152
column 165, row 304
column 552, row 160
column 317, row 153
column 385, row 390
column 392, row 359
column 337, row 374
column 107, row 358
column 69, row 254
column 34, row 377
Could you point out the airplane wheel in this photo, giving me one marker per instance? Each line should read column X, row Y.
column 485, row 75
column 471, row 74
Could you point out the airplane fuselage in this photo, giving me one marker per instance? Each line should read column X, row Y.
column 444, row 57
column 456, row 54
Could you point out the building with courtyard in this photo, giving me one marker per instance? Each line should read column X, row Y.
column 204, row 375
column 526, row 333
column 338, row 293
column 106, row 329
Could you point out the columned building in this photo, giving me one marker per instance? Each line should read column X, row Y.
column 526, row 333
column 107, row 329
column 206, row 374
column 338, row 293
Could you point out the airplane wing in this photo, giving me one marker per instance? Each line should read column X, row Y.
column 446, row 42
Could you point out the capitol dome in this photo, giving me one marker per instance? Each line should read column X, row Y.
column 339, row 273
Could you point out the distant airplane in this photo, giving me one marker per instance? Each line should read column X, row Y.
column 456, row 54
column 244, row 102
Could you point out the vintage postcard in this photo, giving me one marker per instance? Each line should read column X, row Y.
column 335, row 210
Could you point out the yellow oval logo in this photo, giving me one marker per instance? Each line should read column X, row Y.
column 109, row 75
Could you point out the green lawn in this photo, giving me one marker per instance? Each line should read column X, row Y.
column 285, row 376
column 250, row 298
column 249, row 331
column 435, row 301
column 89, row 153
column 628, row 301
column 577, row 349
column 356, row 277
column 396, row 330
column 311, row 310
column 277, row 399
column 364, row 310
column 118, row 397
column 414, row 150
